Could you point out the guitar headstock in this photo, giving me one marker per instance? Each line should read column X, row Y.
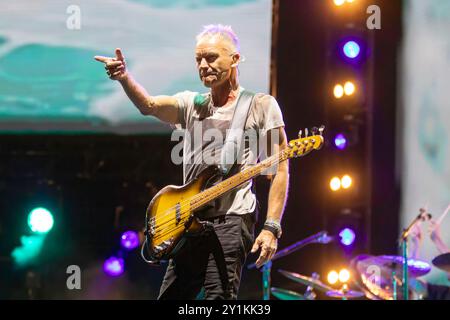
column 306, row 143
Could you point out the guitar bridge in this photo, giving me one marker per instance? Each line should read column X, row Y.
column 163, row 246
column 151, row 228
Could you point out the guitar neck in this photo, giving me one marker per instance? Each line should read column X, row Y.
column 238, row 179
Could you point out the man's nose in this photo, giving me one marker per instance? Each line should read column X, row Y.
column 203, row 64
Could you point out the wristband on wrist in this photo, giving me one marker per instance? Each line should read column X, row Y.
column 273, row 227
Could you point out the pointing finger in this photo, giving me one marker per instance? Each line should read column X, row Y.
column 103, row 59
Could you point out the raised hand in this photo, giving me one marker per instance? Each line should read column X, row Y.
column 116, row 68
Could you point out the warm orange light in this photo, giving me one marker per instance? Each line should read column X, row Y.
column 338, row 91
column 332, row 277
column 339, row 2
column 346, row 182
column 335, row 184
column 344, row 275
column 349, row 88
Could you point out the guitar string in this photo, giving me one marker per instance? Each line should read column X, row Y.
column 169, row 230
column 276, row 158
column 170, row 210
column 280, row 157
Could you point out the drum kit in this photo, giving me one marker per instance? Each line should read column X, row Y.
column 381, row 277
column 313, row 283
column 375, row 278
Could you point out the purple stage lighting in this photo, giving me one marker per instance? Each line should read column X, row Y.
column 347, row 236
column 129, row 240
column 340, row 141
column 114, row 266
column 351, row 49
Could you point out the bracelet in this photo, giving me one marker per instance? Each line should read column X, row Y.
column 273, row 227
column 273, row 222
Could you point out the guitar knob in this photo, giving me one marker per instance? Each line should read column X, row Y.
column 321, row 129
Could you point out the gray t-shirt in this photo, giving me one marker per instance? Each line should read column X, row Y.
column 205, row 128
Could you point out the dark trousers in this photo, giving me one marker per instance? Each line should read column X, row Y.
column 212, row 261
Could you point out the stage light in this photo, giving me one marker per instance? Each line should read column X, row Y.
column 344, row 275
column 129, row 240
column 338, row 91
column 349, row 88
column 339, row 2
column 114, row 266
column 335, row 184
column 346, row 182
column 351, row 49
column 340, row 141
column 40, row 220
column 29, row 250
column 332, row 277
column 347, row 236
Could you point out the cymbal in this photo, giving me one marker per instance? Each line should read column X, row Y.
column 416, row 268
column 442, row 262
column 348, row 294
column 284, row 294
column 376, row 273
column 316, row 284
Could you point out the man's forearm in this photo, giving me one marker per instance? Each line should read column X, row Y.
column 278, row 193
column 137, row 94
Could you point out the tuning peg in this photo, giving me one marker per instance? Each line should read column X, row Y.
column 321, row 129
column 314, row 131
column 306, row 132
column 300, row 133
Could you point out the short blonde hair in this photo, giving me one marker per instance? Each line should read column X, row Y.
column 220, row 30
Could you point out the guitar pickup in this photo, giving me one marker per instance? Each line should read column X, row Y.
column 178, row 213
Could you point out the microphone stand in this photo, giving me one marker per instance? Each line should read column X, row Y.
column 321, row 237
column 404, row 247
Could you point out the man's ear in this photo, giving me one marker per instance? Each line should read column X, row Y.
column 236, row 59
